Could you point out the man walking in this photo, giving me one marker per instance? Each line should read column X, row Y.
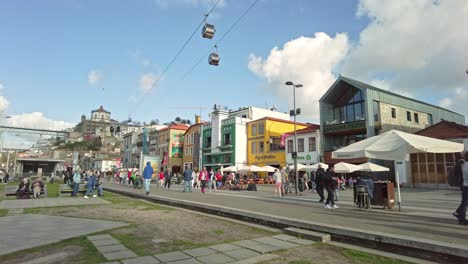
column 461, row 168
column 188, row 180
column 330, row 186
column 91, row 183
column 320, row 182
column 147, row 175
column 167, row 178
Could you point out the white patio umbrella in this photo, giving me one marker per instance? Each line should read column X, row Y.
column 343, row 167
column 269, row 168
column 254, row 168
column 315, row 167
column 396, row 145
column 300, row 167
column 371, row 167
column 230, row 168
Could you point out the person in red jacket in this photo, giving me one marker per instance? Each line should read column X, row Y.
column 219, row 178
column 203, row 177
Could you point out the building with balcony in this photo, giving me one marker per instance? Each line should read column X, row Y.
column 130, row 150
column 264, row 141
column 170, row 146
column 192, row 147
column 308, row 145
column 351, row 111
column 224, row 139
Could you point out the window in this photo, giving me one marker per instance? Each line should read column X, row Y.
column 376, row 110
column 227, row 139
column 312, row 146
column 290, row 146
column 416, row 118
column 429, row 119
column 408, row 116
column 186, row 151
column 261, row 128
column 275, row 144
column 300, row 145
column 227, row 158
column 261, row 147
column 254, row 147
column 254, row 130
column 393, row 113
column 208, row 142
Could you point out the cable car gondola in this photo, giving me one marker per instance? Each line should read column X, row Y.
column 208, row 30
column 213, row 59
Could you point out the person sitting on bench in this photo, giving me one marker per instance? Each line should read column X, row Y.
column 366, row 180
column 37, row 187
column 23, row 191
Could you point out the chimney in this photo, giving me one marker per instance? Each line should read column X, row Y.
column 197, row 119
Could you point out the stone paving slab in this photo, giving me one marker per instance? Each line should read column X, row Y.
column 257, row 259
column 276, row 242
column 99, row 237
column 198, row 252
column 224, row 247
column 264, row 248
column 246, row 243
column 105, row 242
column 241, row 253
column 111, row 248
column 159, row 240
column 50, row 202
column 186, row 261
column 33, row 230
column 172, row 256
column 303, row 242
column 48, row 259
column 125, row 254
column 217, row 258
column 285, row 237
column 141, row 260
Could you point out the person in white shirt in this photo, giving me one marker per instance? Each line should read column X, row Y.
column 277, row 177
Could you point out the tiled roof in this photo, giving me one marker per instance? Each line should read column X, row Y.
column 445, row 130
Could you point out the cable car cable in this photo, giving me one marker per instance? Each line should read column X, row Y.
column 142, row 97
column 221, row 39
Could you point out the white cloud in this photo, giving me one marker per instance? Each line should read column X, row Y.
column 94, row 77
column 37, row 120
column 147, row 82
column 414, row 45
column 3, row 104
column 458, row 102
column 305, row 60
column 1, row 86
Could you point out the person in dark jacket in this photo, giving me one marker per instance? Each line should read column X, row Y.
column 167, row 178
column 320, row 183
column 147, row 175
column 462, row 168
column 188, row 180
column 331, row 185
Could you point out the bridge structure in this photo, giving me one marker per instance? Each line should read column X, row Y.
column 25, row 130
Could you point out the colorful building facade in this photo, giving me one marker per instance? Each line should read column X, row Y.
column 170, row 147
column 308, row 146
column 192, row 138
column 264, row 141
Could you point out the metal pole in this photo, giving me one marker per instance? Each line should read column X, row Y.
column 14, row 169
column 8, row 162
column 295, row 140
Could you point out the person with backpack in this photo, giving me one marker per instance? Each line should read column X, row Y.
column 331, row 184
column 319, row 182
column 458, row 177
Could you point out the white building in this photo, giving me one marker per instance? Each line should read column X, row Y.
column 308, row 146
column 105, row 164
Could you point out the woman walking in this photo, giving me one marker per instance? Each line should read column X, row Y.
column 278, row 184
column 203, row 177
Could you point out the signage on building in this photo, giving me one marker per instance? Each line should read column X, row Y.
column 265, row 157
column 228, row 121
column 165, row 158
column 361, row 124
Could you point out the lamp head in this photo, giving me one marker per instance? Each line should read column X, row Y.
column 289, row 83
column 298, row 85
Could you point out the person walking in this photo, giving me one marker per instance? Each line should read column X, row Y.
column 7, row 177
column 188, row 180
column 147, row 175
column 277, row 177
column 203, row 177
column 211, row 180
column 330, row 185
column 320, row 183
column 195, row 181
column 167, row 178
column 161, row 178
column 461, row 169
column 76, row 181
column 90, row 184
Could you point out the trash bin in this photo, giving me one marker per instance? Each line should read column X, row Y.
column 384, row 194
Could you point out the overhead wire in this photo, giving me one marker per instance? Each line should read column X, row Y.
column 221, row 39
column 168, row 66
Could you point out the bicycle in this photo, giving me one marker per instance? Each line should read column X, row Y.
column 138, row 183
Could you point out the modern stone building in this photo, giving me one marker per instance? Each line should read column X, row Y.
column 224, row 139
column 351, row 111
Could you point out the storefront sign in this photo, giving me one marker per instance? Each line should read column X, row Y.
column 361, row 124
column 264, row 157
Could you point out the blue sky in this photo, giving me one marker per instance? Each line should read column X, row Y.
column 49, row 48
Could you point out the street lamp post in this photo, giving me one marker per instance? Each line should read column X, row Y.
column 295, row 112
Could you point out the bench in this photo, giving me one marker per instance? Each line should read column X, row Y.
column 11, row 191
column 65, row 188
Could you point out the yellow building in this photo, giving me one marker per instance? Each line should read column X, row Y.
column 264, row 138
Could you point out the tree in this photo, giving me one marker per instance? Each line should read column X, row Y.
column 154, row 122
column 178, row 119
